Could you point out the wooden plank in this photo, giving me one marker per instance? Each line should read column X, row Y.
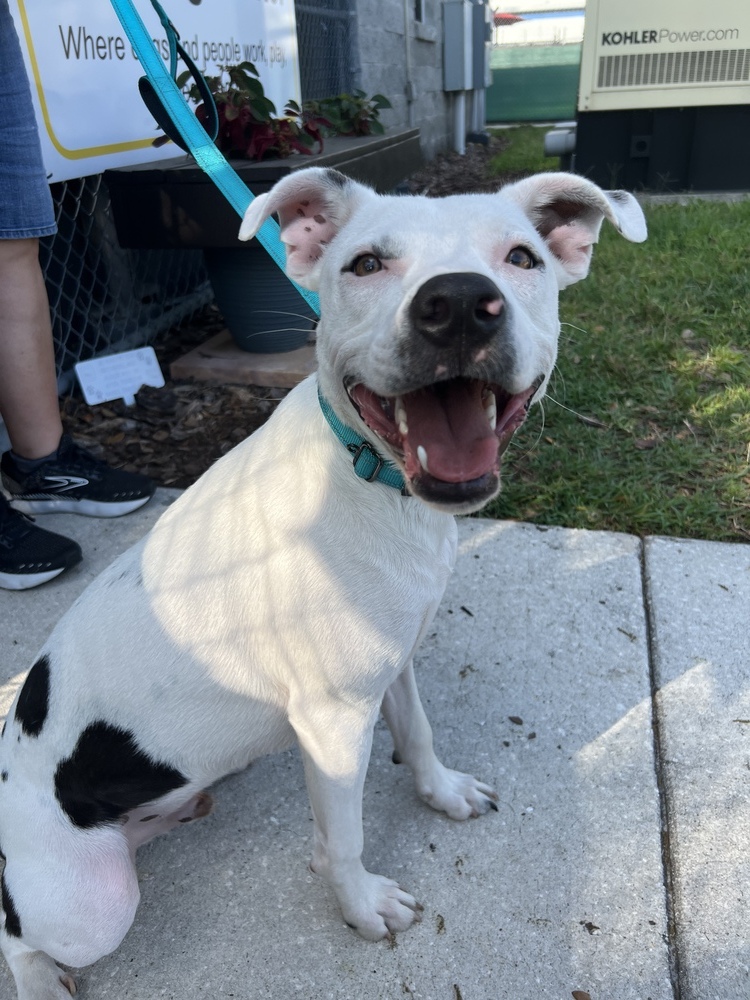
column 220, row 360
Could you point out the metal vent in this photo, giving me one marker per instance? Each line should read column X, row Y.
column 654, row 69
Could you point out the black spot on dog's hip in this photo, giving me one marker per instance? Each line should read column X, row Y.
column 108, row 774
column 12, row 920
column 33, row 702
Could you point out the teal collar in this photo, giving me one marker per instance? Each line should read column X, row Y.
column 368, row 463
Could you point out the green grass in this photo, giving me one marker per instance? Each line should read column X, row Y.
column 524, row 153
column 646, row 425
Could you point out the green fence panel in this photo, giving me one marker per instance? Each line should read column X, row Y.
column 533, row 83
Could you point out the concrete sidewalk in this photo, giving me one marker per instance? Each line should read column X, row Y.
column 617, row 864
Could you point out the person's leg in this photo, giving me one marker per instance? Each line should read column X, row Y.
column 28, row 384
column 44, row 470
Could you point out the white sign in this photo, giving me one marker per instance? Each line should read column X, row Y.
column 84, row 72
column 119, row 376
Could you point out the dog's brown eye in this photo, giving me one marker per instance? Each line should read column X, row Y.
column 519, row 257
column 366, row 264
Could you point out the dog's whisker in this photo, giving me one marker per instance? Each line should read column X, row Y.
column 271, row 330
column 530, row 448
column 578, row 329
column 564, row 407
column 285, row 312
column 558, row 375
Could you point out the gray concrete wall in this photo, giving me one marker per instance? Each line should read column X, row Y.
column 383, row 67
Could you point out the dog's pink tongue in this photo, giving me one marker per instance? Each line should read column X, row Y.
column 450, row 424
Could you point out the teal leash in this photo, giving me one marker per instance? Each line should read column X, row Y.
column 368, row 463
column 165, row 102
column 161, row 92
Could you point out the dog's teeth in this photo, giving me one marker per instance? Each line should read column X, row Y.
column 400, row 414
column 422, row 456
column 490, row 409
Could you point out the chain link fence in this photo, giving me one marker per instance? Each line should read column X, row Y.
column 105, row 299
column 326, row 41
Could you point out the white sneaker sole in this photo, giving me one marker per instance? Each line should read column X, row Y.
column 25, row 581
column 89, row 508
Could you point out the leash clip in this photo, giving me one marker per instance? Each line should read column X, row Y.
column 357, row 451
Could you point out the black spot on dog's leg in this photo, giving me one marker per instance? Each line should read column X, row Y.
column 12, row 920
column 108, row 775
column 33, row 701
column 4, row 776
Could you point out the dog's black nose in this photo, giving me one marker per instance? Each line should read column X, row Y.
column 460, row 306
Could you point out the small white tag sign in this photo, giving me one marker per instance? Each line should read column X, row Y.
column 119, row 376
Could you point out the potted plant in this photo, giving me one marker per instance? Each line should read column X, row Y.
column 263, row 311
column 349, row 114
column 176, row 205
column 249, row 127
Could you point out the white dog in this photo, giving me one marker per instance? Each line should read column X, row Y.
column 282, row 597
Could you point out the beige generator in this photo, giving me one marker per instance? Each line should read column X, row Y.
column 664, row 95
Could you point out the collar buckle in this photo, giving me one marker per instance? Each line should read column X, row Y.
column 366, row 449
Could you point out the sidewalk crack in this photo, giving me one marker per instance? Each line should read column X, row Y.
column 673, row 949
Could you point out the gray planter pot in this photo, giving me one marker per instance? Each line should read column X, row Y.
column 264, row 312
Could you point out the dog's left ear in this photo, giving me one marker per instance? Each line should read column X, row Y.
column 312, row 204
column 568, row 212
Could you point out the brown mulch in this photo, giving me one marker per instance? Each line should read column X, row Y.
column 453, row 173
column 175, row 433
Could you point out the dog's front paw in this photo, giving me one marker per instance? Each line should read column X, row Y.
column 38, row 977
column 458, row 795
column 377, row 907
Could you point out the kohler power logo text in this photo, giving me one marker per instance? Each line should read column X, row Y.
column 650, row 36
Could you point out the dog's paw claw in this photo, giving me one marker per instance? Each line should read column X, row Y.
column 377, row 908
column 69, row 983
column 458, row 795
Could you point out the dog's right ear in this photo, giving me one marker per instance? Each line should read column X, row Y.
column 312, row 205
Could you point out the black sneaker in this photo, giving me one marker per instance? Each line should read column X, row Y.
column 30, row 555
column 74, row 482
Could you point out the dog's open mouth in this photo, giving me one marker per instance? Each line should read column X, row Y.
column 450, row 436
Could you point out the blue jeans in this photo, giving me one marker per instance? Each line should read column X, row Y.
column 26, row 208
